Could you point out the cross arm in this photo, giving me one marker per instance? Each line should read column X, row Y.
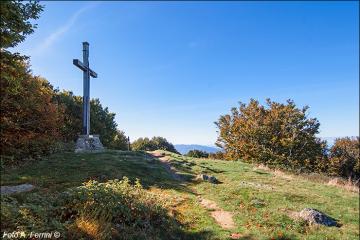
column 80, row 65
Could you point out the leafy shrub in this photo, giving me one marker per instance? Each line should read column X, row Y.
column 120, row 141
column 278, row 135
column 35, row 213
column 197, row 154
column 344, row 158
column 111, row 210
column 156, row 143
column 120, row 208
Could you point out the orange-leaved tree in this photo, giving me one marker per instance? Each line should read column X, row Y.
column 344, row 158
column 277, row 134
column 29, row 116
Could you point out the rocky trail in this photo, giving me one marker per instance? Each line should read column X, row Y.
column 222, row 217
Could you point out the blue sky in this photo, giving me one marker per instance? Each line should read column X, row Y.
column 172, row 68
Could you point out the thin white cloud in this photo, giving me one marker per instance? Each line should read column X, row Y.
column 58, row 33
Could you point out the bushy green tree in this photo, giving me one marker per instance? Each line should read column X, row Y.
column 344, row 158
column 102, row 121
column 197, row 154
column 72, row 118
column 156, row 143
column 163, row 144
column 277, row 134
column 143, row 144
column 120, row 141
column 16, row 21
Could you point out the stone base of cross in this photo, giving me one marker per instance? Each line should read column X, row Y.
column 86, row 142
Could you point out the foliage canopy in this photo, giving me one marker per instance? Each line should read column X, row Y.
column 156, row 143
column 279, row 135
column 15, row 21
column 197, row 154
column 344, row 158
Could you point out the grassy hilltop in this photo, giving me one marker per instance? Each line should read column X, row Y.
column 260, row 201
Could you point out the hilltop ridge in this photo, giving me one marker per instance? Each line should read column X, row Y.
column 258, row 202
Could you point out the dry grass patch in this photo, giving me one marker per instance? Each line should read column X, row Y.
column 275, row 172
column 96, row 229
column 349, row 185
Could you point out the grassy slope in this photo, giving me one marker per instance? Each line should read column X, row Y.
column 258, row 199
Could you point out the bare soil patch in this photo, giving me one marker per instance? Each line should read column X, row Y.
column 222, row 217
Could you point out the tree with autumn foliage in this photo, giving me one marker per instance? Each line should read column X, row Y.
column 344, row 158
column 29, row 116
column 279, row 135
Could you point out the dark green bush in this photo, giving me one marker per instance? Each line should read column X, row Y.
column 156, row 143
column 197, row 154
column 119, row 142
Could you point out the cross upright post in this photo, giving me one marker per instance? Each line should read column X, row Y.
column 87, row 72
column 86, row 90
column 86, row 142
column 128, row 142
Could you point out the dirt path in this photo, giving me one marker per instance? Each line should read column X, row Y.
column 223, row 218
column 171, row 170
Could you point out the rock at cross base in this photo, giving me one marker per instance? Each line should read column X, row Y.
column 207, row 178
column 5, row 190
column 313, row 216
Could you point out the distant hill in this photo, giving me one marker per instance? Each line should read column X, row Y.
column 185, row 148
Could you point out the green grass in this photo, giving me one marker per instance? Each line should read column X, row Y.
column 258, row 199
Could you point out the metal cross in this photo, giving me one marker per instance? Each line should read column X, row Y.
column 87, row 72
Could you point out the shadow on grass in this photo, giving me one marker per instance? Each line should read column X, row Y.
column 213, row 170
column 60, row 171
column 128, row 214
column 261, row 173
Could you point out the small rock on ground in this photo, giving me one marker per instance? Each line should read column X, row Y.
column 5, row 190
column 313, row 216
column 207, row 178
